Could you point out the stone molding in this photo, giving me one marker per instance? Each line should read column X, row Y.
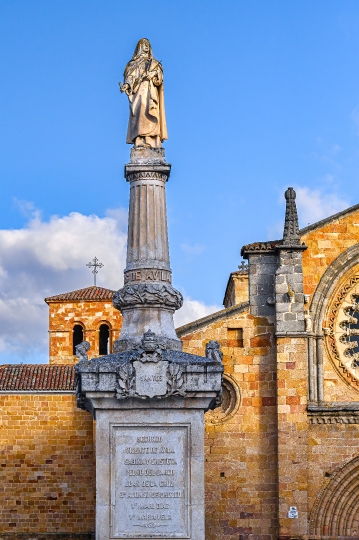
column 146, row 175
column 333, row 413
column 231, row 400
column 331, row 341
column 323, row 294
column 334, row 512
column 328, row 282
column 148, row 294
column 150, row 371
column 337, row 418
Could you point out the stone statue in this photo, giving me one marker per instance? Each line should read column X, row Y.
column 143, row 84
column 308, row 322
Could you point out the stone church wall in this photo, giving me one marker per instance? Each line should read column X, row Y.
column 47, row 465
column 90, row 315
column 240, row 468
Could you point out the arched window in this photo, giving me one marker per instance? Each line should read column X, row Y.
column 77, row 337
column 104, row 339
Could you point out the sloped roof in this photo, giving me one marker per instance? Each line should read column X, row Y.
column 271, row 244
column 90, row 293
column 328, row 220
column 261, row 246
column 213, row 317
column 37, row 377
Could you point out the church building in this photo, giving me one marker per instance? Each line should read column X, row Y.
column 281, row 452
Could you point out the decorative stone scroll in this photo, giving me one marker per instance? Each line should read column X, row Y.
column 148, row 294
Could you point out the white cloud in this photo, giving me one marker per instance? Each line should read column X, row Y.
column 48, row 258
column 193, row 310
column 194, row 249
column 45, row 258
column 314, row 205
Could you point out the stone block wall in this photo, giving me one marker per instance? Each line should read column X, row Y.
column 90, row 315
column 240, row 459
column 262, row 269
column 47, row 465
column 325, row 244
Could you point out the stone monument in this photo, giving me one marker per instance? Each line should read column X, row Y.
column 148, row 398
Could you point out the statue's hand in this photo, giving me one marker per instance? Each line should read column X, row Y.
column 124, row 88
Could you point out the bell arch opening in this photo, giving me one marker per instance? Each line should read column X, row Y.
column 77, row 337
column 104, row 340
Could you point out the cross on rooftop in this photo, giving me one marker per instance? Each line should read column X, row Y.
column 95, row 263
column 243, row 267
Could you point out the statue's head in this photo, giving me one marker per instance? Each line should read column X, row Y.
column 143, row 48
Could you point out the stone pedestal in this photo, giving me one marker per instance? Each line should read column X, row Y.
column 150, row 471
column 149, row 406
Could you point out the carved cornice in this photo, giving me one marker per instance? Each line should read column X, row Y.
column 148, row 294
column 334, row 419
column 149, row 371
column 146, row 175
column 334, row 413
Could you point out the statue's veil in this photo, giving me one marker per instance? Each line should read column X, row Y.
column 139, row 48
column 137, row 55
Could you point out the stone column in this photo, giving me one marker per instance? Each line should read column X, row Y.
column 147, row 301
column 149, row 397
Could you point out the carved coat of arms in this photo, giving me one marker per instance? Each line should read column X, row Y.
column 148, row 374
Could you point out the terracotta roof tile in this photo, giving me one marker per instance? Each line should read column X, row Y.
column 36, row 377
column 90, row 293
column 260, row 246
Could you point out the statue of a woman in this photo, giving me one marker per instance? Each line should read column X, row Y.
column 143, row 84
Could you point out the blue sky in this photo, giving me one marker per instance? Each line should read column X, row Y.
column 259, row 95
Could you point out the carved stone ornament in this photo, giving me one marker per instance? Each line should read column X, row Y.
column 342, row 332
column 82, row 350
column 147, row 175
column 291, row 228
column 143, row 84
column 213, row 351
column 231, row 400
column 148, row 374
column 148, row 294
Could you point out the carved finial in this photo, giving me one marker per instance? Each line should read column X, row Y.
column 291, row 229
column 81, row 350
column 213, row 351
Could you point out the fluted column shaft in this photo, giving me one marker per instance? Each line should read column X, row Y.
column 147, row 301
column 147, row 242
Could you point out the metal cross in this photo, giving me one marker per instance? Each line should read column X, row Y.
column 95, row 264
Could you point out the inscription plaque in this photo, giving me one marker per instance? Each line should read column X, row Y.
column 151, row 378
column 149, row 481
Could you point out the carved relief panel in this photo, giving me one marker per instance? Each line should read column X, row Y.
column 342, row 332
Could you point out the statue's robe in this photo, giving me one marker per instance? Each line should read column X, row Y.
column 147, row 106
